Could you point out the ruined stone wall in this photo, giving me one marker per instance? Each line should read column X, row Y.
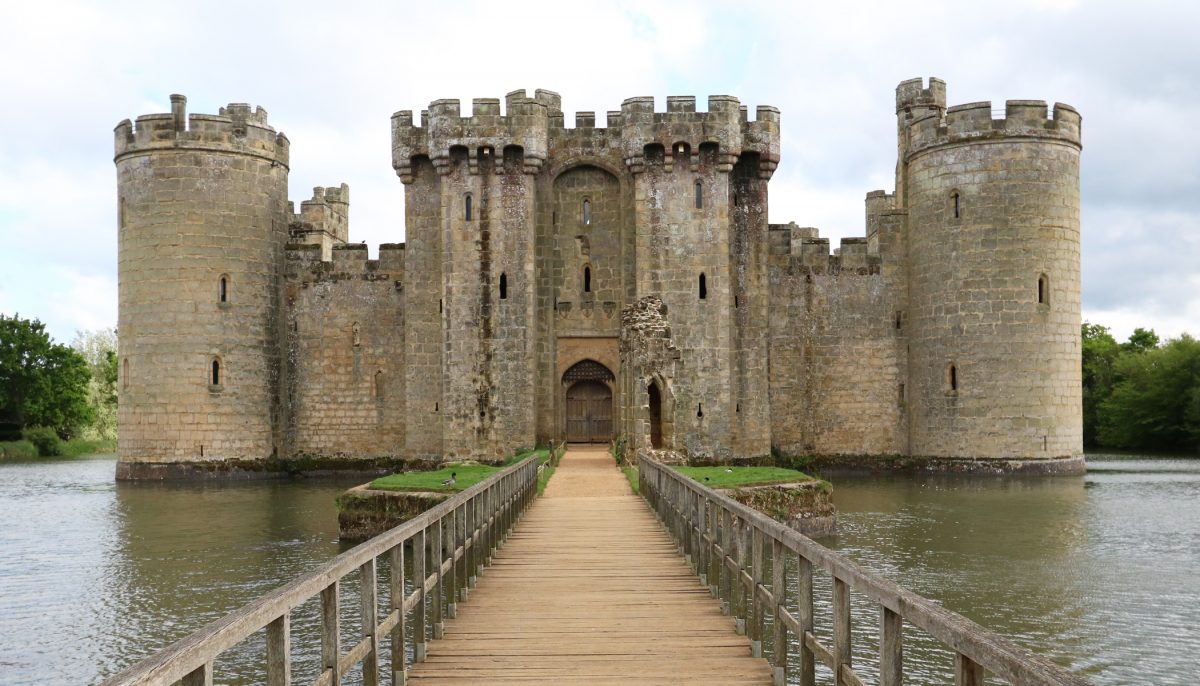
column 346, row 352
column 836, row 356
column 994, row 210
column 201, row 198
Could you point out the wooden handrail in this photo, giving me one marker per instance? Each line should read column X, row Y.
column 726, row 543
column 460, row 535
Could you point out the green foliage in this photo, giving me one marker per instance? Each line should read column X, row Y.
column 45, row 439
column 732, row 477
column 82, row 447
column 631, row 473
column 618, row 449
column 1155, row 399
column 17, row 450
column 1100, row 351
column 42, row 383
column 99, row 348
column 1140, row 341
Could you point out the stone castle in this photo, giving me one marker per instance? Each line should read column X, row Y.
column 595, row 284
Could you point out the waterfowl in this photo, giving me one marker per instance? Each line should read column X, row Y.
column 451, row 480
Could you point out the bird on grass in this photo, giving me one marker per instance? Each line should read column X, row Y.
column 451, row 480
column 728, row 470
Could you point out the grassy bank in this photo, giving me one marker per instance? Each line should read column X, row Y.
column 76, row 447
column 464, row 475
column 732, row 477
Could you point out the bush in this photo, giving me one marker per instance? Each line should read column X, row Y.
column 10, row 450
column 45, row 439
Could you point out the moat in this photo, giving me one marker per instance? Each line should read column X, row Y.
column 1097, row 572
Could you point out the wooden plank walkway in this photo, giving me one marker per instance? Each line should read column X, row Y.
column 589, row 589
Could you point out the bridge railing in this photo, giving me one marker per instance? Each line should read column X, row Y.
column 449, row 546
column 732, row 548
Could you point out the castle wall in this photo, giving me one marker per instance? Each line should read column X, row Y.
column 201, row 199
column 346, row 352
column 836, row 362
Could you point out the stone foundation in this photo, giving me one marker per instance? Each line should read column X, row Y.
column 365, row 513
column 859, row 464
column 806, row 507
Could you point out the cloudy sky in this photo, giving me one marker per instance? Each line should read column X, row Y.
column 331, row 74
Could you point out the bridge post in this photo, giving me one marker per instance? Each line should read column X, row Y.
column 330, row 650
column 399, row 649
column 779, row 596
column 808, row 663
column 419, row 577
column 841, row 626
column 279, row 651
column 368, row 611
column 891, row 651
column 436, row 557
column 452, row 577
column 756, row 579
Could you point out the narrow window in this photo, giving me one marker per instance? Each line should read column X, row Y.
column 439, row 306
column 956, row 201
column 703, row 287
column 223, row 290
column 125, row 373
column 121, row 214
column 699, row 196
column 587, row 279
column 952, row 377
column 216, row 373
column 435, row 407
column 379, row 385
column 587, row 211
column 467, row 207
column 901, row 394
column 1043, row 290
column 699, row 409
column 503, row 286
column 357, row 340
column 899, row 320
column 735, row 302
column 737, row 407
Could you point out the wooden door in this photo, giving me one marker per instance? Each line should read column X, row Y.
column 589, row 413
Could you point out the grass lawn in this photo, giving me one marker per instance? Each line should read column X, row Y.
column 732, row 477
column 466, row 475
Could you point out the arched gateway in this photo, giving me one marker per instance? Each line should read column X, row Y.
column 589, row 402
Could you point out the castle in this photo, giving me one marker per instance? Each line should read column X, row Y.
column 598, row 283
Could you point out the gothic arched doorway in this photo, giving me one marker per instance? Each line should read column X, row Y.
column 589, row 403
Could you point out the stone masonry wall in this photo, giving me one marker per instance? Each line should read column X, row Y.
column 201, row 199
column 346, row 352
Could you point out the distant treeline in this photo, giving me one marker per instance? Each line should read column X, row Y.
column 52, row 393
column 1142, row 394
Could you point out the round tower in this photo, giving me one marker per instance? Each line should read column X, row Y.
column 202, row 215
column 993, row 225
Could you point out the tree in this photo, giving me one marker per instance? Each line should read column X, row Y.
column 1155, row 401
column 99, row 348
column 1099, row 351
column 42, row 383
column 1140, row 341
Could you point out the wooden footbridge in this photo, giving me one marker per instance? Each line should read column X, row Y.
column 587, row 585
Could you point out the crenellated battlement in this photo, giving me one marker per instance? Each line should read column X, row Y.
column 974, row 122
column 538, row 124
column 348, row 262
column 236, row 129
column 326, row 214
column 811, row 254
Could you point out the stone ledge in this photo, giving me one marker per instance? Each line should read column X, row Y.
column 247, row 470
column 878, row 464
column 804, row 506
column 364, row 513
